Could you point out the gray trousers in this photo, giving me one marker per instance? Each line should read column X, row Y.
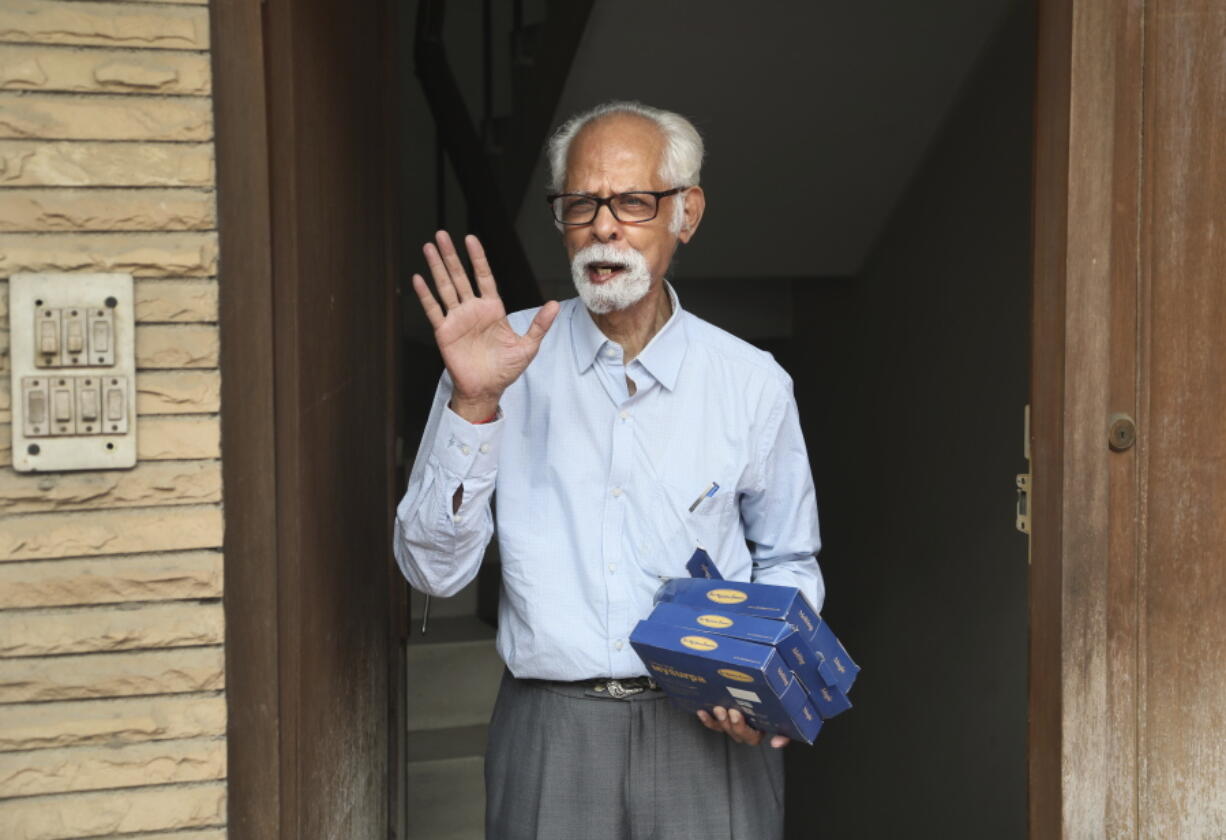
column 563, row 765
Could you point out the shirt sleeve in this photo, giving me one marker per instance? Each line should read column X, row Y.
column 439, row 551
column 779, row 513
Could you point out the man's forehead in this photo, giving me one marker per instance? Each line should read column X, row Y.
column 619, row 145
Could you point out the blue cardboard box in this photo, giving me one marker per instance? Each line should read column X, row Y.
column 813, row 652
column 701, row 670
column 815, row 675
column 701, row 565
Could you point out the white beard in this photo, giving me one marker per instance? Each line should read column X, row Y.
column 621, row 292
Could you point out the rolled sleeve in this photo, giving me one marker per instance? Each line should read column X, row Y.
column 438, row 549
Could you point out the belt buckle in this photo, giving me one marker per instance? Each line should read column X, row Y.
column 620, row 692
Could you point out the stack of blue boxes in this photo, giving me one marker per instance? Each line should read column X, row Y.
column 759, row 648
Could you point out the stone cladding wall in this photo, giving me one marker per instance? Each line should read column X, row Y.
column 112, row 677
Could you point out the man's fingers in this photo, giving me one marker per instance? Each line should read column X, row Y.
column 442, row 281
column 434, row 312
column 481, row 267
column 732, row 723
column 455, row 268
column 740, row 730
column 543, row 321
column 778, row 742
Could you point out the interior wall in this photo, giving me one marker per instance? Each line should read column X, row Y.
column 911, row 379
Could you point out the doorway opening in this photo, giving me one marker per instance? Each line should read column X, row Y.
column 869, row 177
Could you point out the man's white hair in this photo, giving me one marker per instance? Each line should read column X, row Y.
column 681, row 165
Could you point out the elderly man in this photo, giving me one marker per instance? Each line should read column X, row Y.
column 619, row 432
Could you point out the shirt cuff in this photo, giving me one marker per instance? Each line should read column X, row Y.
column 467, row 449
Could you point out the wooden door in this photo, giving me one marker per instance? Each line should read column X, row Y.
column 307, row 335
column 1128, row 584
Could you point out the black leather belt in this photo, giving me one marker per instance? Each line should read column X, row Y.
column 623, row 688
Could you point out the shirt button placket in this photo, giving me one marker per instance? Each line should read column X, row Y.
column 617, row 584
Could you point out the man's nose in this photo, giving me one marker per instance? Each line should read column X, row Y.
column 605, row 226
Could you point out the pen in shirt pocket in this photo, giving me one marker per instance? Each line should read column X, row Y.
column 711, row 490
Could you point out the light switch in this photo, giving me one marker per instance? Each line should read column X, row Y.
column 101, row 336
column 34, row 400
column 73, row 371
column 87, row 404
column 62, row 400
column 116, row 390
column 74, row 335
column 47, row 337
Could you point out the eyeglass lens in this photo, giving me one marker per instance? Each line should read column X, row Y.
column 627, row 207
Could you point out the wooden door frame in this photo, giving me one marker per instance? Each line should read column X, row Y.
column 261, row 448
column 248, row 422
column 1083, row 579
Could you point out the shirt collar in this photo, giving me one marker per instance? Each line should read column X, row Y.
column 662, row 356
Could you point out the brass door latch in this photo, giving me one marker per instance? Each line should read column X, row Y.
column 1023, row 502
column 1023, row 480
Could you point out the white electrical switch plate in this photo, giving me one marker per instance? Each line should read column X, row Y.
column 73, row 379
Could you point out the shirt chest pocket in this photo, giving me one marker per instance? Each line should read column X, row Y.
column 709, row 519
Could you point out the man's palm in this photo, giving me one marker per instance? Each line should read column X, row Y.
column 481, row 351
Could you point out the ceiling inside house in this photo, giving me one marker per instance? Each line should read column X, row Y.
column 816, row 115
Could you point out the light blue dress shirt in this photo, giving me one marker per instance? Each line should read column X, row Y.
column 594, row 488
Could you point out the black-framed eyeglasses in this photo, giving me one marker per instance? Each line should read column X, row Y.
column 580, row 209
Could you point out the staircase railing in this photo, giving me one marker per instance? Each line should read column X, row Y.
column 493, row 161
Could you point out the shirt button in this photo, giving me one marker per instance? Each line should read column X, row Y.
column 618, row 644
column 624, row 415
column 484, row 448
column 455, row 517
column 617, row 491
column 612, row 567
column 465, row 450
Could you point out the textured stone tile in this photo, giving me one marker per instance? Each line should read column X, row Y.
column 37, row 536
column 181, row 575
column 139, row 254
column 97, row 675
column 172, row 438
column 29, row 116
column 158, row 438
column 103, row 24
column 70, row 769
column 90, row 629
column 178, row 392
column 130, row 720
column 148, row 484
column 162, row 346
column 107, row 209
column 201, row 834
column 74, row 70
column 41, row 163
column 61, row 817
column 176, row 301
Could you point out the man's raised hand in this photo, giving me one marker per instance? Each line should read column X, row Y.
column 481, row 351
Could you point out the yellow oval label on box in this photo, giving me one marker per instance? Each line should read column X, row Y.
column 699, row 642
column 736, row 676
column 712, row 620
column 727, row 596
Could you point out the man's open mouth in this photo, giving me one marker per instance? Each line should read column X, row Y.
column 599, row 272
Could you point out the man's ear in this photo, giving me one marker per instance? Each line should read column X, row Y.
column 695, row 205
